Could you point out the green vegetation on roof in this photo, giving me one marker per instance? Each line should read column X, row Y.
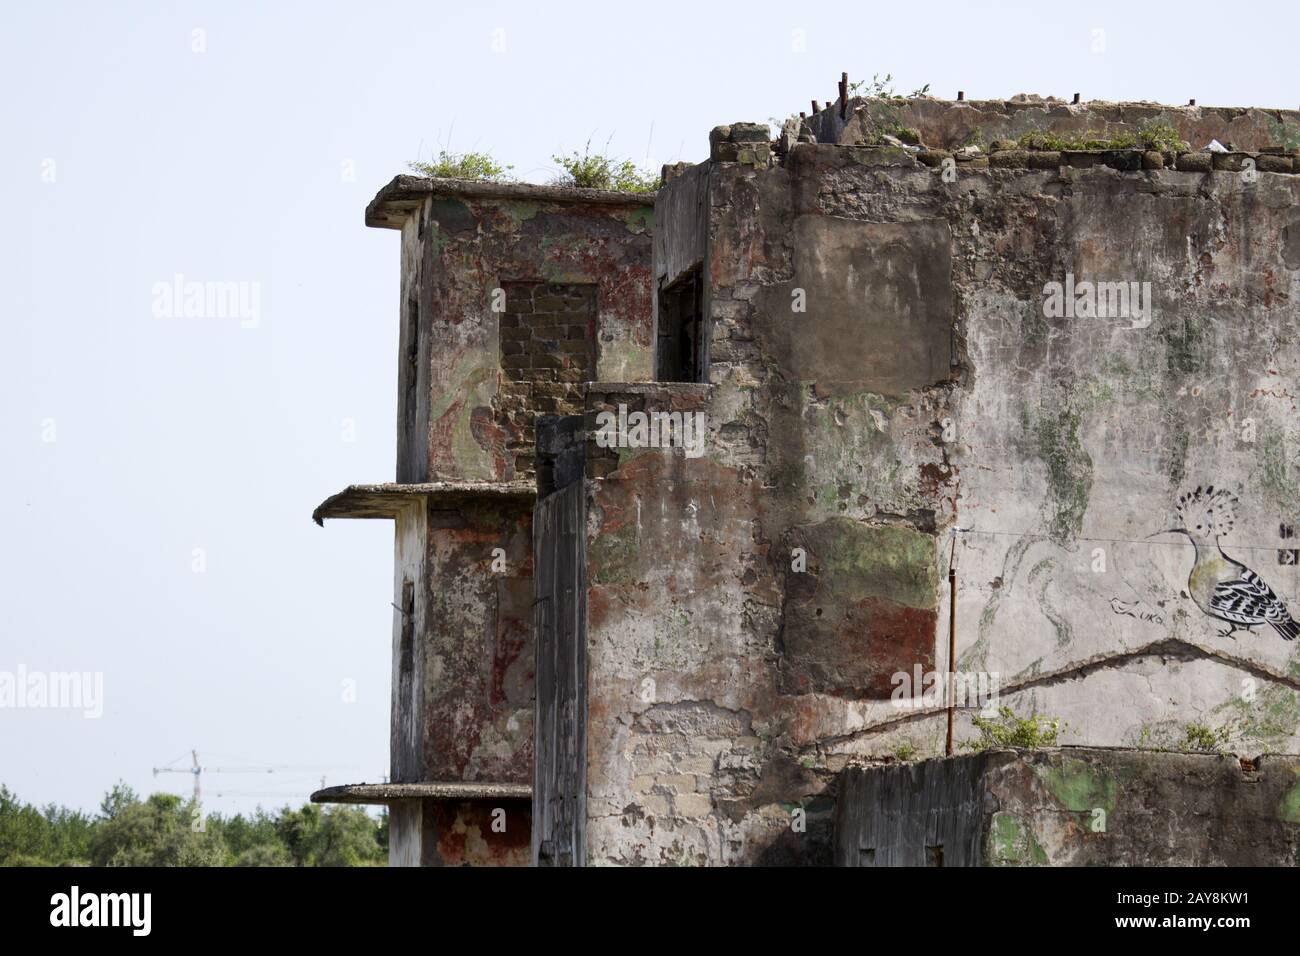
column 478, row 166
column 588, row 170
column 1160, row 136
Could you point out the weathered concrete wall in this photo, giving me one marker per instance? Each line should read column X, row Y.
column 477, row 670
column 948, row 124
column 685, row 207
column 511, row 297
column 441, row 832
column 410, row 614
column 461, row 242
column 480, row 832
column 1072, row 807
column 767, row 595
column 687, row 752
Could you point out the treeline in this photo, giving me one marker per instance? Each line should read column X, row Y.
column 165, row 830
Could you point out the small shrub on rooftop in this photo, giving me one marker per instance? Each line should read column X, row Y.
column 478, row 166
column 588, row 170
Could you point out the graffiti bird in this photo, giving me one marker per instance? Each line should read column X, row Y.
column 1222, row 587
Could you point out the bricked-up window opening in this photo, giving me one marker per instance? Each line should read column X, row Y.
column 681, row 346
column 406, row 645
column 548, row 350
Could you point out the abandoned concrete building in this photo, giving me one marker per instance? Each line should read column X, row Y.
column 695, row 490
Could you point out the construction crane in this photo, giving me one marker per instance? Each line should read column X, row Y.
column 197, row 770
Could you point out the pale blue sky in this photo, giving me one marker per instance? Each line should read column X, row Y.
column 231, row 164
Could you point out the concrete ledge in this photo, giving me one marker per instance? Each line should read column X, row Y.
column 384, row 793
column 394, row 202
column 387, row 499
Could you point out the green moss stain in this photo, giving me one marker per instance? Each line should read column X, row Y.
column 1269, row 720
column 1189, row 349
column 1179, row 441
column 789, row 468
column 1276, row 477
column 1011, row 843
column 1286, row 135
column 520, row 212
column 1069, row 474
column 879, row 561
column 1007, row 835
column 975, row 657
column 452, row 215
column 614, row 556
column 1079, row 786
column 846, row 439
column 436, row 240
column 1040, row 577
column 1037, row 855
column 1290, row 807
column 640, row 220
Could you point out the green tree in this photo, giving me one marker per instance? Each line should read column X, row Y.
column 264, row 854
column 339, row 836
column 158, row 832
column 162, row 831
column 34, row 837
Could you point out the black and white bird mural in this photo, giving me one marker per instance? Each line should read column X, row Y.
column 1221, row 586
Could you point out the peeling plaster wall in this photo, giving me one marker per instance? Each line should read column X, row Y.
column 922, row 389
column 480, row 832
column 478, row 649
column 455, row 252
column 1078, row 435
column 689, row 757
column 463, row 833
column 1072, row 807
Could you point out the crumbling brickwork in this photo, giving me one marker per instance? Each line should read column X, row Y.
column 548, row 348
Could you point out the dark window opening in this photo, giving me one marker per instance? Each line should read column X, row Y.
column 412, row 370
column 866, row 856
column 680, row 351
column 934, row 855
column 406, row 644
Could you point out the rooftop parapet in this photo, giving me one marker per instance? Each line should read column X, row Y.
column 952, row 124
